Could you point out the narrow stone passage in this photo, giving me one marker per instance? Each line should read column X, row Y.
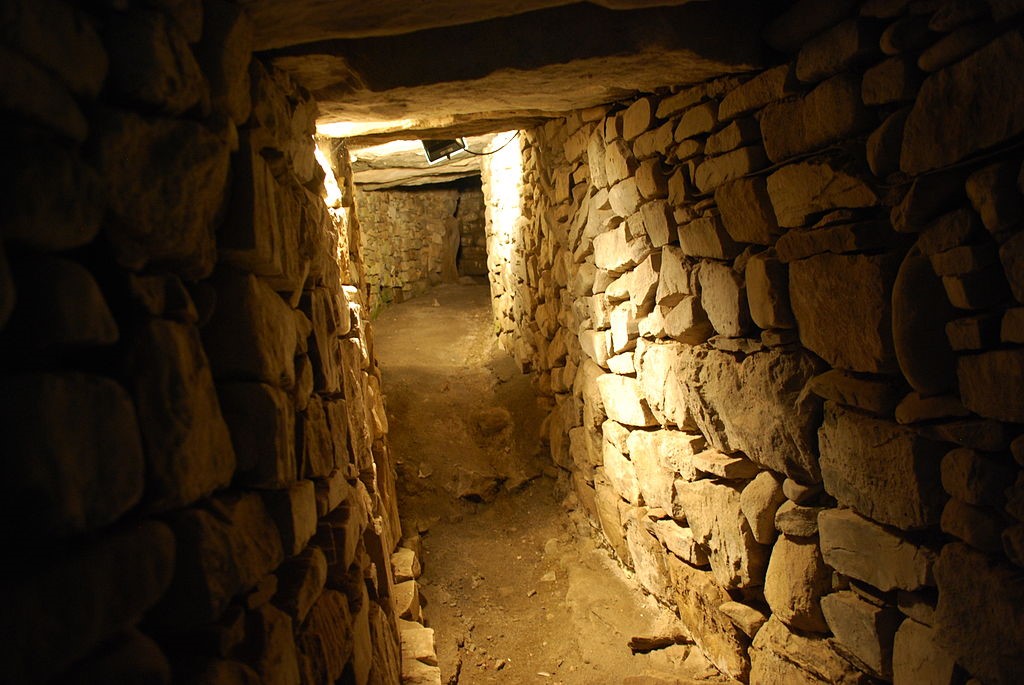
column 513, row 584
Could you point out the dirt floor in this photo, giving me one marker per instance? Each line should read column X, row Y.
column 515, row 586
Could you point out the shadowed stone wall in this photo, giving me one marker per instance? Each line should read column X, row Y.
column 780, row 318
column 415, row 238
column 199, row 488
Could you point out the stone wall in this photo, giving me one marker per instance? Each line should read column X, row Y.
column 415, row 238
column 199, row 487
column 781, row 319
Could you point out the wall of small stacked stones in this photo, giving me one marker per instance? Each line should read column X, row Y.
column 413, row 239
column 199, row 487
column 780, row 317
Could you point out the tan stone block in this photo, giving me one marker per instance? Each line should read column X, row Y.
column 747, row 211
column 795, row 582
column 918, row 657
column 861, row 549
column 781, row 657
column 763, row 89
column 660, row 456
column 759, row 501
column 714, row 171
column 934, row 139
column 301, row 580
column 842, row 307
column 862, row 630
column 697, row 598
column 836, row 49
column 624, row 401
column 830, row 112
column 723, row 296
column 713, row 512
column 294, row 513
column 261, row 419
column 707, row 237
column 883, row 470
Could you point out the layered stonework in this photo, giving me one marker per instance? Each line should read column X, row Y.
column 412, row 239
column 190, row 411
column 778, row 317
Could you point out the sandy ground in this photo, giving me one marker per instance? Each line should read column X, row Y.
column 515, row 587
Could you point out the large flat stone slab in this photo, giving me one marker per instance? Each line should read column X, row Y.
column 842, row 305
column 885, row 471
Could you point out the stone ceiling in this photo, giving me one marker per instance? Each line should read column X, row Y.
column 408, row 69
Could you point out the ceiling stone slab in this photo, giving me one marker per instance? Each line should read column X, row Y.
column 540, row 64
column 281, row 23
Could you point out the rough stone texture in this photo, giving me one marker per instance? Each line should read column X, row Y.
column 917, row 656
column 863, row 630
column 658, row 456
column 714, row 171
column 836, row 49
column 804, row 20
column 763, row 89
column 707, row 237
column 937, row 132
column 977, row 616
column 220, row 554
column 623, row 400
column 188, row 448
column 166, row 220
column 896, row 79
column 713, row 512
column 920, row 312
column 842, row 307
column 261, row 419
column 796, row 580
column 80, row 61
column 253, row 313
column 72, row 443
column 771, row 421
column 858, row 548
column 796, row 521
column 883, row 470
column 697, row 598
column 980, row 527
column 54, row 203
column 975, row 477
column 732, row 136
column 301, row 580
column 747, row 211
column 759, row 501
column 830, row 112
column 724, row 298
column 804, row 190
column 992, row 384
column 767, row 284
column 779, row 656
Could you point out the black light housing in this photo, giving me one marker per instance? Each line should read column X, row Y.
column 437, row 150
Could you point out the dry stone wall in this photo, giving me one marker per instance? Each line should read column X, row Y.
column 413, row 239
column 191, row 426
column 780, row 319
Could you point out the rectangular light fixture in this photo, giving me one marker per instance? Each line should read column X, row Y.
column 437, row 150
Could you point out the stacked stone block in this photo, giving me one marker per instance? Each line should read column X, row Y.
column 778, row 317
column 191, row 422
column 413, row 239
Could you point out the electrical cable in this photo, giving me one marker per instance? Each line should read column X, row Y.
column 484, row 154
